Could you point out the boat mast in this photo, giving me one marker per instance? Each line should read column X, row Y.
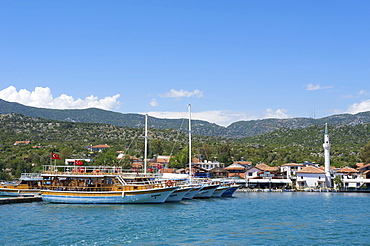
column 190, row 172
column 146, row 143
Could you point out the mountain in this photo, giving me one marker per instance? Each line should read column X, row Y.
column 239, row 129
column 95, row 115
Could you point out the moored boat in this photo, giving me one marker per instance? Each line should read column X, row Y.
column 219, row 191
column 206, row 191
column 178, row 194
column 27, row 185
column 101, row 185
column 231, row 190
column 194, row 190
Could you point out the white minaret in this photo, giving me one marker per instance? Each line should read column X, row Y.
column 326, row 146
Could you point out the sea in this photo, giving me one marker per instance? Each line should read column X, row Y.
column 253, row 218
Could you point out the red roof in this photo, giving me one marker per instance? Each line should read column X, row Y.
column 347, row 170
column 292, row 165
column 100, row 146
column 311, row 169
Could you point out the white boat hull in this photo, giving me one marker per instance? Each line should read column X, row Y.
column 178, row 195
column 206, row 191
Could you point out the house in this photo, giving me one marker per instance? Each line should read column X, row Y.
column 289, row 170
column 365, row 170
column 236, row 171
column 22, row 142
column 265, row 167
column 208, row 165
column 311, row 177
column 350, row 177
column 218, row 172
column 98, row 148
column 252, row 172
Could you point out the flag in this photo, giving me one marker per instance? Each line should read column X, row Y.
column 55, row 156
column 150, row 170
column 78, row 163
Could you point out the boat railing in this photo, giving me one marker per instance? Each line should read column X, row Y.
column 80, row 188
column 95, row 170
column 30, row 176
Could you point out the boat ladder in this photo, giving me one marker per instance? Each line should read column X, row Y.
column 121, row 180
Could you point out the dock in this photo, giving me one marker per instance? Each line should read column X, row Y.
column 8, row 200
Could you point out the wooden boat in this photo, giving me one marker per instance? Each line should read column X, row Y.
column 101, row 185
column 28, row 185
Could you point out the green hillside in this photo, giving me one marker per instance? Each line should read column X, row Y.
column 70, row 140
column 236, row 130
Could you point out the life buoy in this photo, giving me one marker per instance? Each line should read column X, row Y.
column 169, row 183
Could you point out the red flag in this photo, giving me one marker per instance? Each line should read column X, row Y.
column 78, row 163
column 150, row 170
column 55, row 156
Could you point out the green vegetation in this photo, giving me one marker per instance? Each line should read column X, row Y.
column 350, row 144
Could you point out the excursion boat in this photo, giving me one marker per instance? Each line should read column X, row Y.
column 28, row 185
column 231, row 190
column 219, row 191
column 206, row 191
column 178, row 194
column 194, row 190
column 101, row 185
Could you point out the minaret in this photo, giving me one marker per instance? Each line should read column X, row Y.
column 326, row 146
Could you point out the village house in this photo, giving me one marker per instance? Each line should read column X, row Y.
column 310, row 177
column 22, row 142
column 98, row 148
column 350, row 177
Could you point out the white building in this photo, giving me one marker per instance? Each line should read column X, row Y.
column 311, row 177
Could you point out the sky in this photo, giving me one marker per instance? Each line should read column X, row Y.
column 231, row 60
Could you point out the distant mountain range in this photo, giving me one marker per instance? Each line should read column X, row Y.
column 238, row 129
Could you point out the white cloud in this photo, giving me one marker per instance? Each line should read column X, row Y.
column 42, row 98
column 313, row 87
column 278, row 114
column 182, row 93
column 359, row 107
column 362, row 93
column 153, row 102
column 222, row 118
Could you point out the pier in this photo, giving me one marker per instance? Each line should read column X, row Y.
column 8, row 200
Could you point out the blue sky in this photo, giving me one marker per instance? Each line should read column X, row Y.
column 231, row 60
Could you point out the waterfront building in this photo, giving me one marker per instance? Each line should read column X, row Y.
column 350, row 177
column 289, row 170
column 311, row 177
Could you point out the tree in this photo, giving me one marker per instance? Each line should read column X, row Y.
column 180, row 160
column 365, row 153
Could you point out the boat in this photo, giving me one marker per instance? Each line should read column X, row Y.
column 231, row 190
column 27, row 185
column 194, row 190
column 219, row 191
column 206, row 191
column 106, row 185
column 178, row 194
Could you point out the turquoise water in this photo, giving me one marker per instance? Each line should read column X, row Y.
column 247, row 219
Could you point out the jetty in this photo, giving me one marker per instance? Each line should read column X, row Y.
column 8, row 200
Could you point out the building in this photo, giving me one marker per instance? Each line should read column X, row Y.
column 99, row 148
column 311, row 177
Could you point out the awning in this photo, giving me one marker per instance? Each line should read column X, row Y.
column 272, row 181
